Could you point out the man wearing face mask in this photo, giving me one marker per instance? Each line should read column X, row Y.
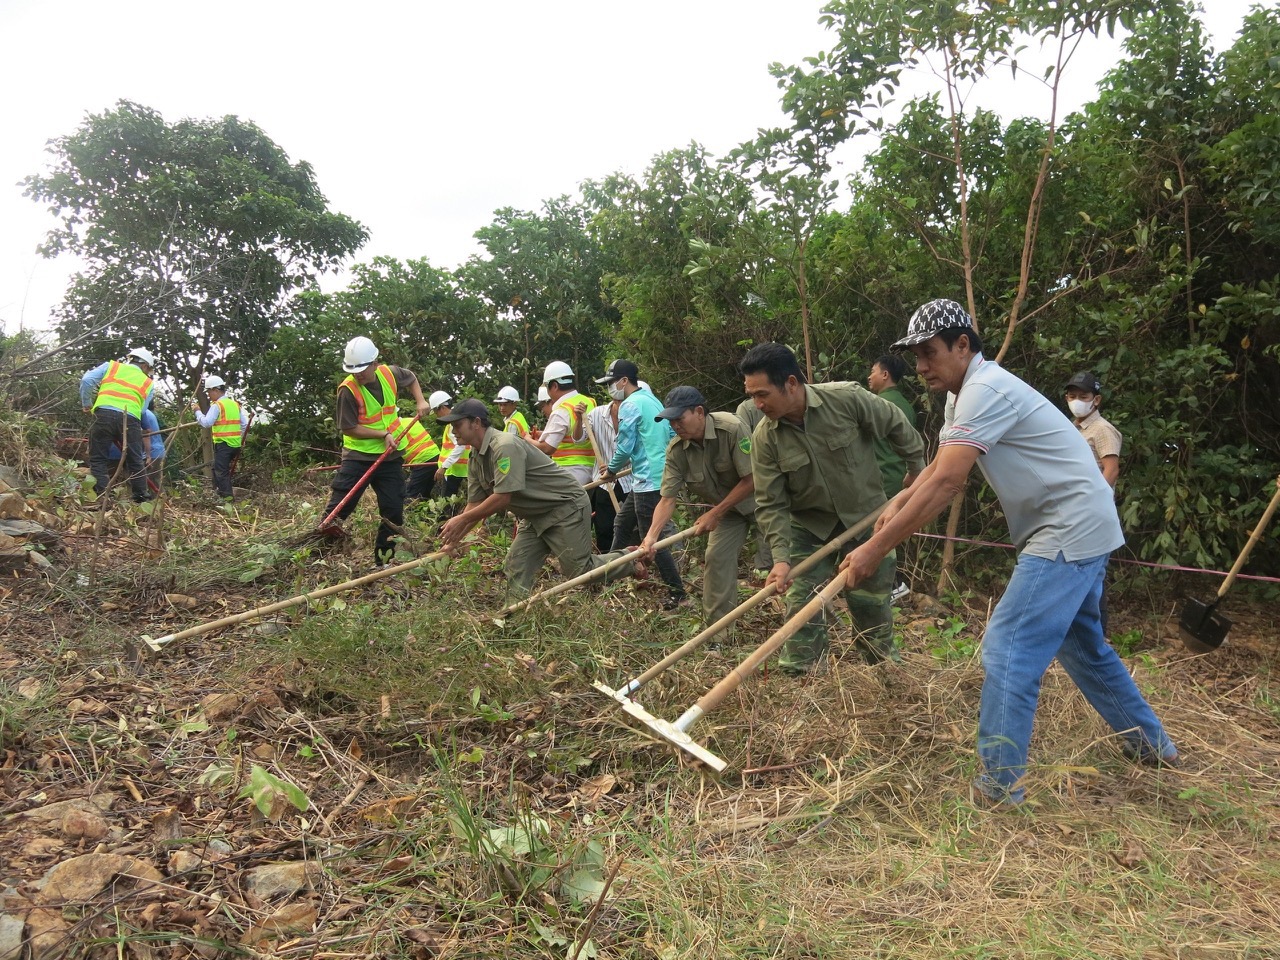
column 1084, row 397
column 642, row 444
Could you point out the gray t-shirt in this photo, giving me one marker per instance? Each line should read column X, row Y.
column 1052, row 493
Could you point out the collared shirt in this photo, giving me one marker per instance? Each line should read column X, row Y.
column 1103, row 438
column 642, row 441
column 553, row 435
column 1053, row 495
column 892, row 467
column 710, row 468
column 749, row 414
column 541, row 492
column 606, row 433
column 823, row 474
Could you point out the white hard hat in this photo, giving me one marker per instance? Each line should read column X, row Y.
column 642, row 385
column 543, row 396
column 438, row 399
column 360, row 353
column 215, row 382
column 143, row 354
column 557, row 370
column 507, row 395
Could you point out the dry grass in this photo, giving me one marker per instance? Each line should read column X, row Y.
column 418, row 728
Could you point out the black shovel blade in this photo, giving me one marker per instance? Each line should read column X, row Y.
column 1202, row 627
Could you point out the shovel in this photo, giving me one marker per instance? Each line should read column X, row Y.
column 1201, row 626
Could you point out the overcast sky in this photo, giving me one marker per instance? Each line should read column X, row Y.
column 420, row 118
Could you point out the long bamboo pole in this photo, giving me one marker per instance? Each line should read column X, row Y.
column 159, row 643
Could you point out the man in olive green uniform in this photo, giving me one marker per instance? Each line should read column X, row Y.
column 883, row 382
column 711, row 458
column 509, row 474
column 813, row 458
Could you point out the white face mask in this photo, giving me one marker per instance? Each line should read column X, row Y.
column 1080, row 408
column 616, row 392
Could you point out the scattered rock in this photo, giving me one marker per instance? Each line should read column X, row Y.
column 219, row 706
column 82, row 824
column 86, row 876
column 56, row 812
column 38, row 848
column 47, row 933
column 292, row 918
column 281, row 879
column 9, row 479
column 181, row 600
column 11, row 936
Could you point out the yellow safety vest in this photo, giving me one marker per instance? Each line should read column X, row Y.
column 447, row 444
column 518, row 421
column 571, row 452
column 417, row 446
column 370, row 413
column 226, row 429
column 123, row 388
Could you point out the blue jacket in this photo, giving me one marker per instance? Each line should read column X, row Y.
column 642, row 441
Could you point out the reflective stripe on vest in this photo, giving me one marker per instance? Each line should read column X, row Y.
column 123, row 388
column 417, row 446
column 518, row 421
column 371, row 414
column 571, row 452
column 447, row 445
column 226, row 429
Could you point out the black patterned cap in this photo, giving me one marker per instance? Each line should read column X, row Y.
column 1086, row 381
column 931, row 319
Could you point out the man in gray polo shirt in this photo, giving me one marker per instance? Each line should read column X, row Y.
column 1063, row 520
column 509, row 474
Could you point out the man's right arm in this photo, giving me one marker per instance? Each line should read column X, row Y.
column 89, row 384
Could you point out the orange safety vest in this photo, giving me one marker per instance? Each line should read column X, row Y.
column 370, row 413
column 417, row 446
column 125, row 388
column 447, row 445
column 571, row 452
column 226, row 429
column 518, row 421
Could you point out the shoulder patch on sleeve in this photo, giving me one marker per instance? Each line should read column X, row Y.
column 504, row 465
column 745, row 444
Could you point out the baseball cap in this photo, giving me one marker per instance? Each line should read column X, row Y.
column 1084, row 380
column 931, row 319
column 465, row 410
column 678, row 401
column 619, row 369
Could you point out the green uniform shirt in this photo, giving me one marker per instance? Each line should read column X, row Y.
column 825, row 474
column 710, row 469
column 892, row 467
column 541, row 492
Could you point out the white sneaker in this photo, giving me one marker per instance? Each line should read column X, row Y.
column 900, row 591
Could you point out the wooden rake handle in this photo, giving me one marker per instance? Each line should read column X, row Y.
column 1253, row 538
column 760, row 596
column 600, row 481
column 596, row 574
column 161, row 642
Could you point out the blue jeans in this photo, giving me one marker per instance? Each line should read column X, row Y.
column 1050, row 609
